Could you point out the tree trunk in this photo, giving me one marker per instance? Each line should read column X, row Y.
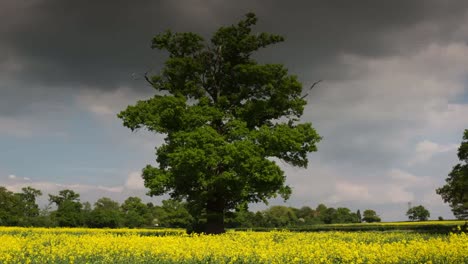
column 214, row 217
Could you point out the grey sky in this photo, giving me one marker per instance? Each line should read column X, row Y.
column 391, row 109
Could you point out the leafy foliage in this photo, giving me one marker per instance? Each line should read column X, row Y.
column 358, row 215
column 68, row 208
column 455, row 191
column 222, row 113
column 28, row 197
column 10, row 210
column 135, row 213
column 418, row 213
column 173, row 213
column 279, row 216
column 370, row 216
column 106, row 213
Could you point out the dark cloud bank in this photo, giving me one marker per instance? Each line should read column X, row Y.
column 101, row 43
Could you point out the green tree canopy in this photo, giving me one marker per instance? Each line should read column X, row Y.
column 344, row 215
column 279, row 216
column 106, row 213
column 358, row 216
column 320, row 210
column 28, row 197
column 135, row 213
column 329, row 215
column 173, row 213
column 305, row 212
column 68, row 211
column 10, row 208
column 27, row 202
column 370, row 216
column 418, row 213
column 226, row 119
column 455, row 191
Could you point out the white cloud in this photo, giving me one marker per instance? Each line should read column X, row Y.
column 370, row 193
column 15, row 127
column 105, row 106
column 396, row 187
column 347, row 191
column 410, row 88
column 450, row 117
column 371, row 119
column 406, row 179
column 133, row 186
column 135, row 181
column 392, row 193
column 426, row 149
column 108, row 104
column 16, row 183
column 37, row 120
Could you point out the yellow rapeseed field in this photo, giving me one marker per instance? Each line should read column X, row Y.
column 61, row 245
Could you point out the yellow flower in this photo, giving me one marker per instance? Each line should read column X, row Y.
column 66, row 245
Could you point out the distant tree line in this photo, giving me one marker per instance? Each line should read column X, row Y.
column 283, row 216
column 66, row 210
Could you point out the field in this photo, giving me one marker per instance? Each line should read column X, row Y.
column 434, row 227
column 62, row 245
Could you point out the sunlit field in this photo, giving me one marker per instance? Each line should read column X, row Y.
column 411, row 223
column 62, row 245
column 417, row 226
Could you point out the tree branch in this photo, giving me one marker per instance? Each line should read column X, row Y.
column 312, row 86
column 148, row 79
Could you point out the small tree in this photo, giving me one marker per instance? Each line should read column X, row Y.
column 307, row 214
column 359, row 216
column 344, row 215
column 329, row 216
column 370, row 216
column 68, row 211
column 10, row 212
column 226, row 119
column 418, row 213
column 136, row 213
column 455, row 192
column 106, row 213
column 28, row 197
column 320, row 210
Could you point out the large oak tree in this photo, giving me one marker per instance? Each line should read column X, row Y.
column 227, row 120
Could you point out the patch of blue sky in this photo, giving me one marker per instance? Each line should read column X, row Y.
column 87, row 155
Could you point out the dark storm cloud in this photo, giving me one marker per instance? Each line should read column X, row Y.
column 101, row 43
column 319, row 31
column 50, row 49
column 84, row 43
